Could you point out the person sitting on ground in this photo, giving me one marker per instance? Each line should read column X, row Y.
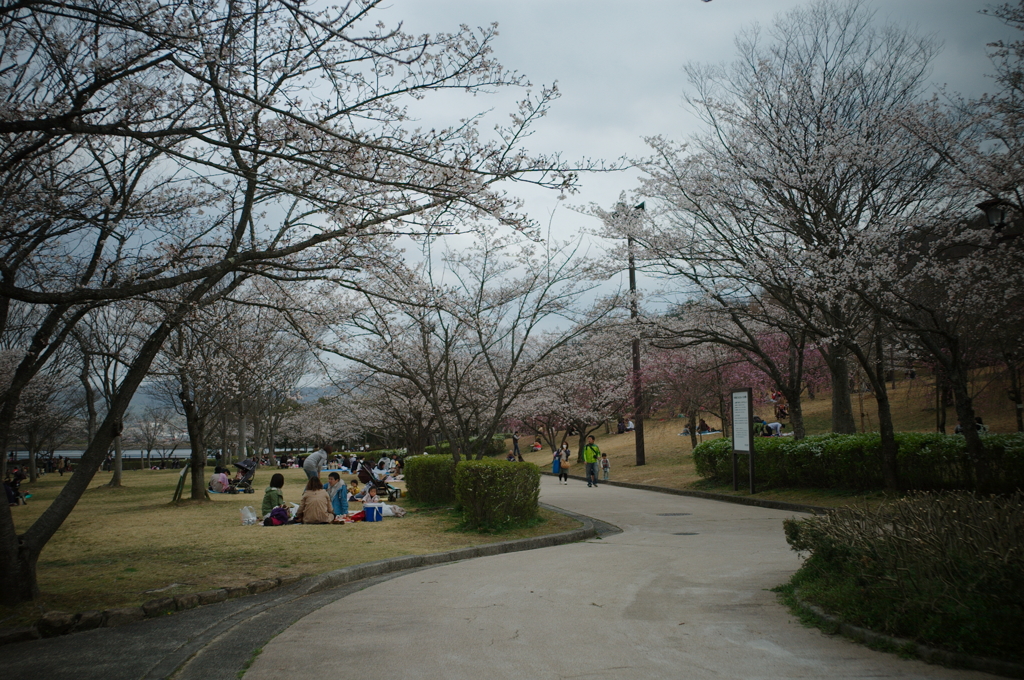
column 980, row 424
column 273, row 497
column 315, row 505
column 630, row 426
column 338, row 493
column 703, row 427
column 370, row 496
column 536, row 446
column 219, row 482
column 775, row 429
column 353, row 490
column 620, row 427
column 511, row 457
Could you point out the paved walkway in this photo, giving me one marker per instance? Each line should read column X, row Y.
column 682, row 592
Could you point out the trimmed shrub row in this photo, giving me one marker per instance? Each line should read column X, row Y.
column 430, row 479
column 491, row 494
column 925, row 461
column 496, row 494
column 943, row 569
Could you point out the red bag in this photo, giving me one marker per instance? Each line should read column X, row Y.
column 358, row 517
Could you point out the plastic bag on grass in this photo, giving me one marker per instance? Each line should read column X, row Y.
column 248, row 516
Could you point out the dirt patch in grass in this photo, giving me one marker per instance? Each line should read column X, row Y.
column 122, row 547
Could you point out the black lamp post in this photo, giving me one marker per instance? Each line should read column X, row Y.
column 638, row 390
column 996, row 211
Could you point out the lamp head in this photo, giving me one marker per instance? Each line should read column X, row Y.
column 996, row 211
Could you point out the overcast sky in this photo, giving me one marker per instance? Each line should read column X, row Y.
column 619, row 66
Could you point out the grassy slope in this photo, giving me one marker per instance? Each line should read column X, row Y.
column 669, row 456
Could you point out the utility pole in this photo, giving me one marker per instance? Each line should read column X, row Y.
column 638, row 388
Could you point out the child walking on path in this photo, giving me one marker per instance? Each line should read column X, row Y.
column 605, row 466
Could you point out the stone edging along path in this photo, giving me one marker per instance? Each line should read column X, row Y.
column 927, row 654
column 55, row 623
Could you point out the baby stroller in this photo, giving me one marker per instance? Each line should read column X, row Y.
column 366, row 476
column 244, row 484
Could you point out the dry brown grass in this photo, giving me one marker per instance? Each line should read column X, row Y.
column 121, row 547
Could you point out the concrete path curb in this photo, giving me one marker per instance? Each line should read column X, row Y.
column 725, row 498
column 923, row 652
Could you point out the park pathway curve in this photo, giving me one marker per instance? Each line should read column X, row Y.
column 682, row 592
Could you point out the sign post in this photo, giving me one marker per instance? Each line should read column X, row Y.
column 742, row 432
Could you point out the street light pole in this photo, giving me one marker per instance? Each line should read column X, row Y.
column 638, row 391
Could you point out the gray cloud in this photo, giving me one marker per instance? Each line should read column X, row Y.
column 619, row 65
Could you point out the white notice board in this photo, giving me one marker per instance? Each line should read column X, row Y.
column 741, row 419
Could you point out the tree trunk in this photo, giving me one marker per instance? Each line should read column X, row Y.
column 874, row 368
column 197, row 461
column 197, row 439
column 965, row 413
column 890, row 448
column 33, row 445
column 585, row 430
column 721, row 409
column 222, row 459
column 19, row 553
column 796, row 417
column 794, row 388
column 240, row 453
column 115, row 479
column 945, row 393
column 1014, row 393
column 842, row 408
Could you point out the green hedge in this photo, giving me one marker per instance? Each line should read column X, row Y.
column 945, row 569
column 925, row 461
column 497, row 494
column 496, row 447
column 430, row 479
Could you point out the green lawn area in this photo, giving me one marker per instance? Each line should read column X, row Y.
column 122, row 547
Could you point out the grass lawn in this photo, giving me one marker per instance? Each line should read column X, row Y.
column 122, row 547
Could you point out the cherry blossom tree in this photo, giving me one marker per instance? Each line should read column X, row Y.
column 476, row 332
column 581, row 394
column 171, row 150
column 806, row 153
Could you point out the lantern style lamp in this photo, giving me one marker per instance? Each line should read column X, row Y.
column 996, row 210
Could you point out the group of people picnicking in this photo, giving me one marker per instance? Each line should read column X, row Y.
column 323, row 504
